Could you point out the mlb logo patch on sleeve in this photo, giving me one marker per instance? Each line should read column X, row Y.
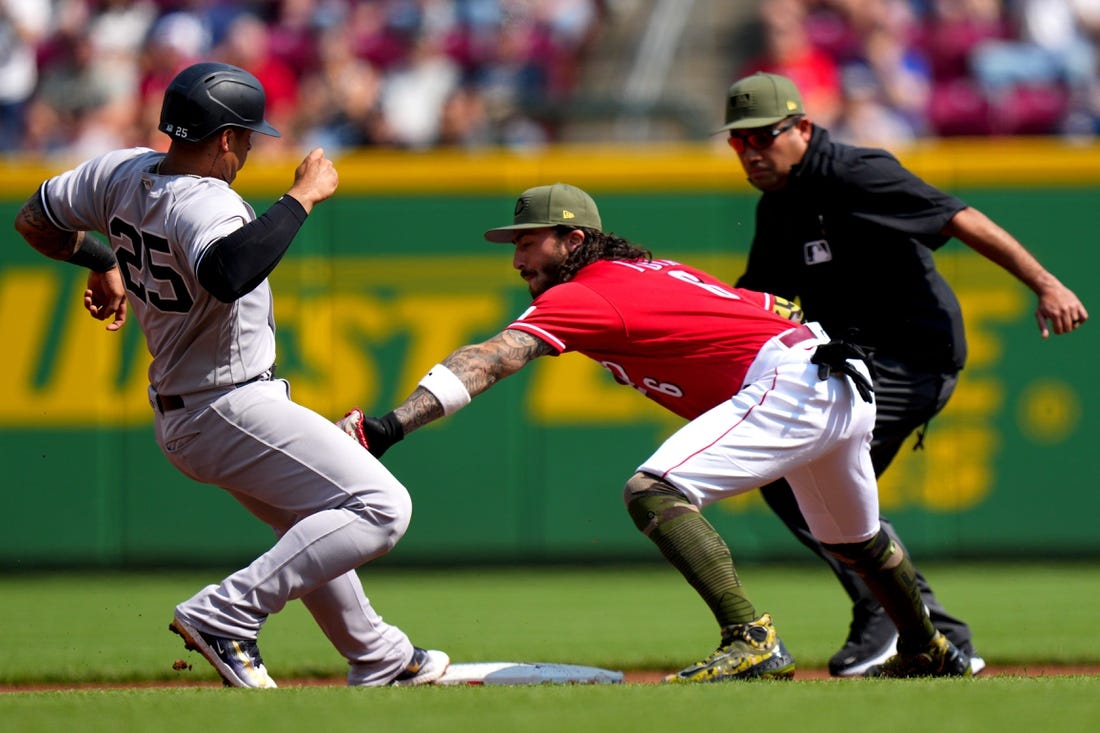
column 817, row 252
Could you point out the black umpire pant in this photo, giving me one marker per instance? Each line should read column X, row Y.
column 906, row 400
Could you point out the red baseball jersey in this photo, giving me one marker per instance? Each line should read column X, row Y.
column 676, row 334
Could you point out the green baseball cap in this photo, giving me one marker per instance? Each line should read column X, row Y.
column 760, row 100
column 549, row 206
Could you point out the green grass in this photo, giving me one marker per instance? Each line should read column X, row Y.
column 84, row 627
column 112, row 626
column 1066, row 705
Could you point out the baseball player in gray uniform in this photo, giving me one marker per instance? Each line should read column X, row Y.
column 188, row 257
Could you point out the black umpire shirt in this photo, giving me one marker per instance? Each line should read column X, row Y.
column 851, row 236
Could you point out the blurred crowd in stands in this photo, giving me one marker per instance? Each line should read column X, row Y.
column 78, row 77
column 888, row 71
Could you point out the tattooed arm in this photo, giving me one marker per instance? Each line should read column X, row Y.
column 61, row 244
column 105, row 296
column 40, row 232
column 478, row 367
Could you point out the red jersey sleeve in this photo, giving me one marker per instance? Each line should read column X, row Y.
column 569, row 316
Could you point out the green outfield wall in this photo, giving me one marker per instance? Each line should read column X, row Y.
column 392, row 274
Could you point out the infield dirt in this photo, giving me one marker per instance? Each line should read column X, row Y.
column 636, row 677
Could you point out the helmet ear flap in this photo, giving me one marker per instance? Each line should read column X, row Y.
column 209, row 96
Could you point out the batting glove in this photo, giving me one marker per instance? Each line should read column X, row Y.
column 834, row 357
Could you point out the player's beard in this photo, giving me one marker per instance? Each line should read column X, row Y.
column 544, row 278
column 541, row 279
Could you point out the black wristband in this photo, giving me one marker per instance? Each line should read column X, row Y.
column 394, row 429
column 95, row 255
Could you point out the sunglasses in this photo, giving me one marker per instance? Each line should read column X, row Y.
column 761, row 139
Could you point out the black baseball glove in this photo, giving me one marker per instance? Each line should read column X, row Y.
column 376, row 434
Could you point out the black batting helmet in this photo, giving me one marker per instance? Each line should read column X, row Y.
column 208, row 96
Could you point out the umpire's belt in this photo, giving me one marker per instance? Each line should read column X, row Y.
column 168, row 402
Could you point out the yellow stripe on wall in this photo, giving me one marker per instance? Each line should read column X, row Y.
column 953, row 162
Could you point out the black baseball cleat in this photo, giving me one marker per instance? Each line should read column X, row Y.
column 938, row 658
column 872, row 639
column 977, row 664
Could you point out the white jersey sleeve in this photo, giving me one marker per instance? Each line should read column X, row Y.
column 159, row 228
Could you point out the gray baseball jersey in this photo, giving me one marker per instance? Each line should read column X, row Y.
column 160, row 227
column 331, row 504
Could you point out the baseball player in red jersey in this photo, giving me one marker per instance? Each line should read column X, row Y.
column 191, row 259
column 764, row 398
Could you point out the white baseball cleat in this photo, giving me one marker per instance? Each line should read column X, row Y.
column 425, row 667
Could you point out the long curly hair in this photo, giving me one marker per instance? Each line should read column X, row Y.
column 597, row 246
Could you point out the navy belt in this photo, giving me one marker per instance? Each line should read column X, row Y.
column 169, row 402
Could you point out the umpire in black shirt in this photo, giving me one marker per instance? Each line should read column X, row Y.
column 850, row 233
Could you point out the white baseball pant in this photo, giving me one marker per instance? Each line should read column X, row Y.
column 784, row 422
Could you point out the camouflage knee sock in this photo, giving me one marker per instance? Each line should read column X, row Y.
column 694, row 547
column 886, row 569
